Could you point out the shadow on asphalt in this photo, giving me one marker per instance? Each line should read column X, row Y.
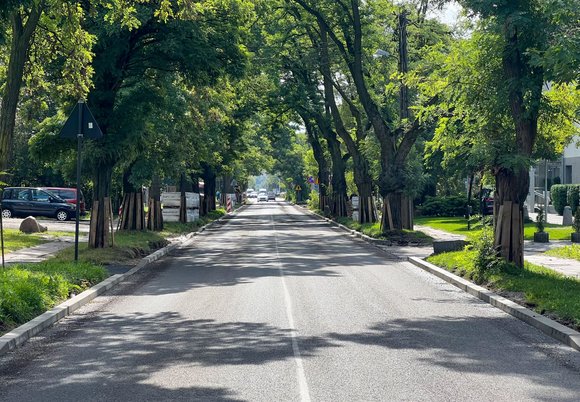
column 116, row 356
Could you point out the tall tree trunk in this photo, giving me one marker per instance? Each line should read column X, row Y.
column 362, row 177
column 339, row 195
column 512, row 185
column 133, row 213
column 21, row 40
column 155, row 215
column 318, row 151
column 209, row 189
column 101, row 214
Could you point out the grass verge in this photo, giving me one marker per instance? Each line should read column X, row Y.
column 16, row 240
column 28, row 290
column 458, row 225
column 401, row 237
column 571, row 252
column 543, row 290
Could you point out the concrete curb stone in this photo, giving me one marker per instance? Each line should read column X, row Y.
column 20, row 335
column 550, row 327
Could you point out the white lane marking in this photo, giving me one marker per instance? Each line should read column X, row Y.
column 302, row 384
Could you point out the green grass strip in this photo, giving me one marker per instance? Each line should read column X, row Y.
column 28, row 290
column 542, row 289
column 458, row 225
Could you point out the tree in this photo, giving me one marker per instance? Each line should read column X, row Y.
column 520, row 35
column 348, row 26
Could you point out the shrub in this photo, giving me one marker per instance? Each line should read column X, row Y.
column 573, row 196
column 487, row 259
column 559, row 194
column 445, row 206
column 576, row 223
column 540, row 220
column 314, row 202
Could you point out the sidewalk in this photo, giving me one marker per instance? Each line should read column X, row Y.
column 37, row 253
column 533, row 252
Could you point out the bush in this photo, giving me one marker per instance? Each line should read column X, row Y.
column 445, row 206
column 29, row 290
column 559, row 194
column 540, row 220
column 487, row 260
column 314, row 202
column 573, row 196
column 576, row 223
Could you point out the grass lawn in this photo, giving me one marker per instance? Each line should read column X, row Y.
column 572, row 252
column 15, row 240
column 28, row 290
column 541, row 289
column 458, row 225
column 374, row 230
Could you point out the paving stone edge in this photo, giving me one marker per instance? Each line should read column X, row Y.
column 20, row 335
column 550, row 327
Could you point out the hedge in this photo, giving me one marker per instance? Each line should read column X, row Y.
column 573, row 196
column 559, row 194
column 445, row 206
column 563, row 195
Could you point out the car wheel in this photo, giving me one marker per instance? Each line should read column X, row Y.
column 61, row 215
column 6, row 213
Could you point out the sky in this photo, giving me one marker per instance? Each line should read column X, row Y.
column 449, row 13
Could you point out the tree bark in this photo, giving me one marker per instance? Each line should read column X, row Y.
column 133, row 213
column 100, row 219
column 155, row 215
column 318, row 151
column 21, row 40
column 209, row 189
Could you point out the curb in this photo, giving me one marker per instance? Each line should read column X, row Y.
column 353, row 233
column 20, row 335
column 550, row 327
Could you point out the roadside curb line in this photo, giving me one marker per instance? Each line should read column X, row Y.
column 20, row 335
column 550, row 327
column 352, row 232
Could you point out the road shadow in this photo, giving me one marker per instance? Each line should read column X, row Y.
column 120, row 357
column 480, row 345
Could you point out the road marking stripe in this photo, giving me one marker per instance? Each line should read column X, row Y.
column 302, row 383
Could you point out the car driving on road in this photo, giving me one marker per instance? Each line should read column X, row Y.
column 25, row 201
column 262, row 196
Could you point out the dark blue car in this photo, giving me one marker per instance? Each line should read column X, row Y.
column 31, row 201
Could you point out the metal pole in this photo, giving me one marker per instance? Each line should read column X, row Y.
column 546, row 190
column 78, row 205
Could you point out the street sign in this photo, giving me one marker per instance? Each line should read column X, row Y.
column 298, row 188
column 79, row 124
column 90, row 128
column 311, row 180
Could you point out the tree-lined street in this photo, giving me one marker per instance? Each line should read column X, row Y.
column 276, row 305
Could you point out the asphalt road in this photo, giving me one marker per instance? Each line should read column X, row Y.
column 277, row 306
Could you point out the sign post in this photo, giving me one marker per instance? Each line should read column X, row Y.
column 80, row 123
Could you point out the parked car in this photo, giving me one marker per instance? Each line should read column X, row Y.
column 69, row 195
column 262, row 197
column 24, row 201
column 487, row 196
column 271, row 196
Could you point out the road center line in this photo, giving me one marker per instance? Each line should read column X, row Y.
column 302, row 384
